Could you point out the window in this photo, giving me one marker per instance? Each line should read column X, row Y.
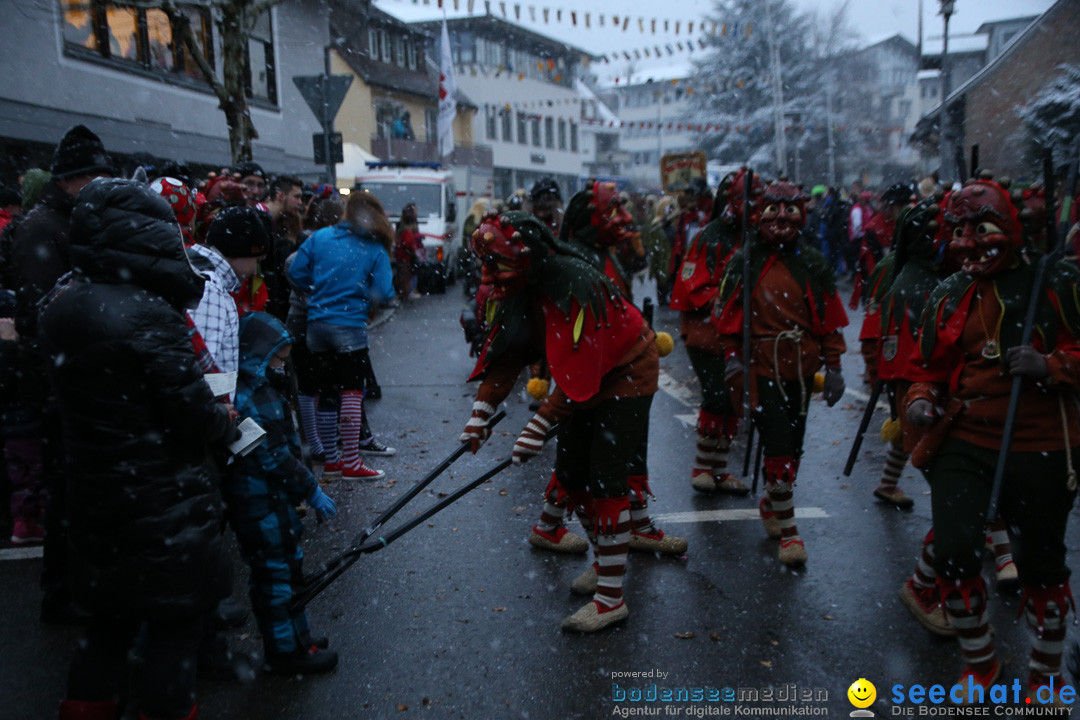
column 261, row 73
column 521, row 130
column 431, row 125
column 562, row 133
column 463, row 48
column 384, row 47
column 507, row 134
column 141, row 38
column 489, row 120
column 536, row 130
column 413, row 56
column 385, row 114
column 373, row 43
column 549, row 132
column 573, row 137
column 399, row 51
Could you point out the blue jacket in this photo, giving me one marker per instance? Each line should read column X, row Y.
column 343, row 270
column 272, row 474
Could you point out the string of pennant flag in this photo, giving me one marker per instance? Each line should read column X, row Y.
column 680, row 126
column 697, row 32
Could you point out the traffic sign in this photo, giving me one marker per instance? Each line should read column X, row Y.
column 318, row 89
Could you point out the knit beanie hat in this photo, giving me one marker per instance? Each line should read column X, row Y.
column 248, row 167
column 80, row 152
column 240, row 232
column 182, row 201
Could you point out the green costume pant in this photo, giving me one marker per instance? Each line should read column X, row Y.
column 1034, row 502
column 709, row 368
column 599, row 447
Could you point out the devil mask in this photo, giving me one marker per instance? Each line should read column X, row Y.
column 504, row 257
column 610, row 218
column 985, row 228
column 733, row 213
column 783, row 214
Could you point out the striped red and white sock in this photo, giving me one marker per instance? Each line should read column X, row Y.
column 925, row 576
column 895, row 461
column 999, row 537
column 706, row 455
column 965, row 606
column 1049, row 643
column 352, row 416
column 611, row 551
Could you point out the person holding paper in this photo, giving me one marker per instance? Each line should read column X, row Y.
column 263, row 491
column 139, row 423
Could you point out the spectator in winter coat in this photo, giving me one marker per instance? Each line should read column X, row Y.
column 138, row 422
column 35, row 255
column 344, row 269
column 263, row 492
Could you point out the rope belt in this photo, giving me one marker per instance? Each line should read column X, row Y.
column 795, row 336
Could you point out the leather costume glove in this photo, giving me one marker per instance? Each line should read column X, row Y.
column 733, row 367
column 1027, row 361
column 606, row 512
column 322, row 504
column 834, row 385
column 477, row 430
column 922, row 413
column 531, row 440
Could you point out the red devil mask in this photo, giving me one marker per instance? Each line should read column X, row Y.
column 503, row 255
column 783, row 214
column 985, row 228
column 734, row 211
column 610, row 218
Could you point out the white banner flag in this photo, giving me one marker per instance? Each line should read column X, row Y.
column 447, row 104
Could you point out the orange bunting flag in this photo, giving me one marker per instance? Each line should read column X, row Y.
column 517, row 12
column 587, row 20
column 557, row 78
column 723, row 30
column 676, row 27
column 551, row 63
column 573, row 17
column 546, row 11
column 748, row 29
column 653, row 25
column 690, row 28
column 641, row 24
column 540, row 65
column 625, row 24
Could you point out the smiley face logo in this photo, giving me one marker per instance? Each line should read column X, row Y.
column 862, row 693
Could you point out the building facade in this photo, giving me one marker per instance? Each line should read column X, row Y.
column 528, row 109
column 121, row 71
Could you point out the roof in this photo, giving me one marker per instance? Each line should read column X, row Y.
column 348, row 28
column 988, row 27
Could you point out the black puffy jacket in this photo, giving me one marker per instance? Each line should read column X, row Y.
column 144, row 504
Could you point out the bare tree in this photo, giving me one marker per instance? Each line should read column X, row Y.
column 236, row 20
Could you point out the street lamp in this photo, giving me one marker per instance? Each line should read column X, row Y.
column 947, row 9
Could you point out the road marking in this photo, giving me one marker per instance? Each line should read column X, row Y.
column 695, row 516
column 17, row 553
column 675, row 390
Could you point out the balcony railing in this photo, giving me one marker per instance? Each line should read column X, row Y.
column 416, row 151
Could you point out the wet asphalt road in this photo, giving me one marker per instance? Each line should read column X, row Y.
column 460, row 617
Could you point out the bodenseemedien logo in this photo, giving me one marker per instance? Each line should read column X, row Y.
column 862, row 694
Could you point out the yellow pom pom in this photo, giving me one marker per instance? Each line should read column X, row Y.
column 664, row 344
column 537, row 388
column 891, row 432
column 819, row 382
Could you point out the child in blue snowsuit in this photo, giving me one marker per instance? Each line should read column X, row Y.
column 262, row 493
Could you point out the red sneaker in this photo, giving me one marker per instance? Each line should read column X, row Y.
column 362, row 472
column 27, row 532
column 984, row 681
column 332, row 471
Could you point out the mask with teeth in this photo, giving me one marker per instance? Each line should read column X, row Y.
column 611, row 219
column 504, row 257
column 985, row 228
column 783, row 214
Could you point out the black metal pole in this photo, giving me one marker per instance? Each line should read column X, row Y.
column 863, row 424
